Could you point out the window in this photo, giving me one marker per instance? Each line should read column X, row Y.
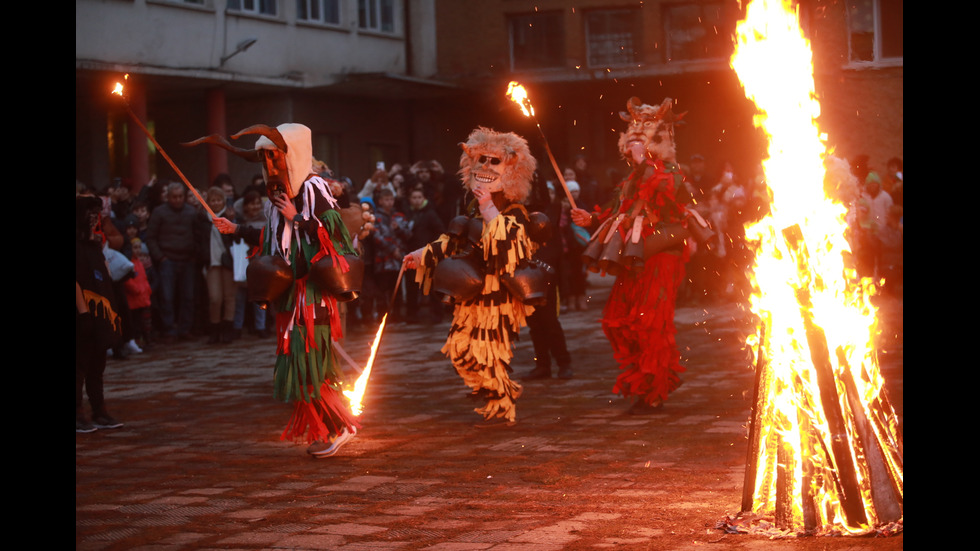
column 319, row 11
column 261, row 7
column 537, row 41
column 698, row 31
column 613, row 37
column 376, row 15
column 875, row 28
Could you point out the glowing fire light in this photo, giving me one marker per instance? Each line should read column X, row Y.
column 357, row 394
column 518, row 94
column 824, row 440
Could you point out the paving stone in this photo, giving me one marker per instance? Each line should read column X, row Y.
column 200, row 464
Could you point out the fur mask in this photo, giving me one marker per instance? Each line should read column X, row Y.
column 497, row 161
column 651, row 131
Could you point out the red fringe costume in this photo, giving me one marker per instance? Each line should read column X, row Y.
column 638, row 319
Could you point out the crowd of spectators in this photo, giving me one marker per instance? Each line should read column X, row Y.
column 183, row 282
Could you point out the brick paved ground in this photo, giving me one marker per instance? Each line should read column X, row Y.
column 199, row 464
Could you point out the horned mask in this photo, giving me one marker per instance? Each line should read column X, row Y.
column 286, row 154
column 650, row 133
column 497, row 162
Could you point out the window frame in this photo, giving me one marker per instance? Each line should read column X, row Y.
column 877, row 31
column 321, row 7
column 558, row 58
column 374, row 9
column 256, row 10
column 720, row 29
column 636, row 37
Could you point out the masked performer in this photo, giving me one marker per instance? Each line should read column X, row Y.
column 470, row 260
column 641, row 241
column 305, row 230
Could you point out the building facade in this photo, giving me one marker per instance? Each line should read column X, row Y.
column 404, row 80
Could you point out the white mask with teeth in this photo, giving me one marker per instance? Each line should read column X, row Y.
column 487, row 173
column 497, row 162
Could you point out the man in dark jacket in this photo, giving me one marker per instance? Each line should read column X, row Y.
column 173, row 237
column 425, row 226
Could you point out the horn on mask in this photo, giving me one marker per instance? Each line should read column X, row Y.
column 269, row 132
column 251, row 155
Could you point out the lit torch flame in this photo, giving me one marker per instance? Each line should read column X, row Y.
column 357, row 394
column 518, row 94
column 118, row 90
column 822, row 417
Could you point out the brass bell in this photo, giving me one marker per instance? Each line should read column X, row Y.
column 268, row 277
column 667, row 236
column 458, row 278
column 593, row 249
column 529, row 283
column 538, row 227
column 633, row 254
column 330, row 276
column 610, row 261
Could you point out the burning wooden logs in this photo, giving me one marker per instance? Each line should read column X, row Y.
column 828, row 454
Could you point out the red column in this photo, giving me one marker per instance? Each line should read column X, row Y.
column 217, row 157
column 139, row 151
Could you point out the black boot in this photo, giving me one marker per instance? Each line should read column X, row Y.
column 214, row 333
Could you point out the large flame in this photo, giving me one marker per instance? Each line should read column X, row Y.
column 518, row 94
column 356, row 395
column 805, row 293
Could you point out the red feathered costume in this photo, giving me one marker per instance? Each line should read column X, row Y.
column 639, row 318
column 642, row 241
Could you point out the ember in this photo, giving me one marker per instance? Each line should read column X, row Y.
column 825, row 449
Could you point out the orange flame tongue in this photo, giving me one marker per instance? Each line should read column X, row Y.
column 357, row 394
column 821, row 374
column 518, row 94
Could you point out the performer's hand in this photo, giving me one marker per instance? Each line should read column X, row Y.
column 485, row 203
column 224, row 225
column 482, row 195
column 413, row 259
column 581, row 217
column 367, row 222
column 285, row 206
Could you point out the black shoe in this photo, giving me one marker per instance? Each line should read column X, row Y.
column 565, row 372
column 82, row 424
column 105, row 421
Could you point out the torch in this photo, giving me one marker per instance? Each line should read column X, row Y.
column 118, row 90
column 357, row 394
column 517, row 94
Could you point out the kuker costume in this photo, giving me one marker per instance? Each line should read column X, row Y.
column 307, row 264
column 477, row 261
column 641, row 240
